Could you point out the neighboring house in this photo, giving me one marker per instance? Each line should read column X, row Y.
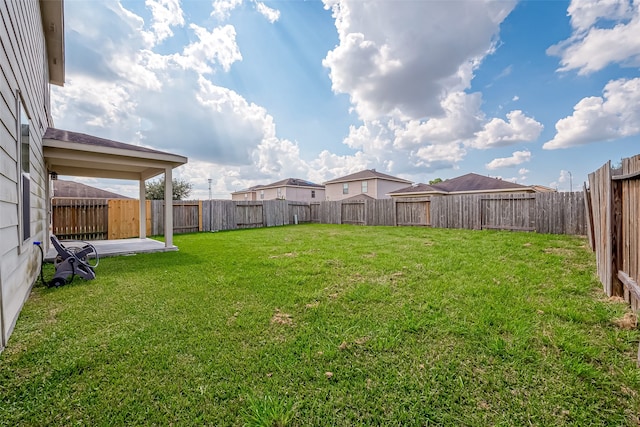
column 76, row 190
column 293, row 189
column 32, row 58
column 368, row 182
column 543, row 189
column 470, row 183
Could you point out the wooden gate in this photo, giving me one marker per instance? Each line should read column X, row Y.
column 353, row 213
column 413, row 212
column 249, row 215
column 187, row 216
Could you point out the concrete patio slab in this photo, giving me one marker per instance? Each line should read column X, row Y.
column 106, row 248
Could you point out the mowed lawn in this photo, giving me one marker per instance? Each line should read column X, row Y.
column 329, row 325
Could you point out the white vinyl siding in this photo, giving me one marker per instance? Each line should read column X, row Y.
column 24, row 71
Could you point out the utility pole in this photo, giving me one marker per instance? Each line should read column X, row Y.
column 209, row 187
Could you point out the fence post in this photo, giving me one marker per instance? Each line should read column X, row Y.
column 589, row 215
column 616, row 237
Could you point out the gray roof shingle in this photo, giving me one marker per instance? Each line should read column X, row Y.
column 82, row 138
column 72, row 189
column 367, row 174
column 464, row 183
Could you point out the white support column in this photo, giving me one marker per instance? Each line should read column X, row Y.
column 143, row 209
column 168, row 208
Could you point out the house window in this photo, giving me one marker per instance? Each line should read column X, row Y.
column 24, row 132
column 262, row 194
column 279, row 193
column 313, row 194
column 345, row 188
column 246, row 196
column 364, row 186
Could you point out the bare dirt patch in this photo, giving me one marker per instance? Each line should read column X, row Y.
column 287, row 255
column 559, row 251
column 280, row 318
column 628, row 321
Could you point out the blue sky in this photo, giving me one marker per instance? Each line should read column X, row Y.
column 537, row 92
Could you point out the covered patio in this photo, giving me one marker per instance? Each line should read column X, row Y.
column 80, row 155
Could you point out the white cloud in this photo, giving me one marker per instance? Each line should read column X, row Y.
column 564, row 176
column 166, row 14
column 517, row 158
column 215, row 46
column 592, row 48
column 272, row 15
column 498, row 133
column 585, row 13
column 462, row 118
column 416, row 113
column 388, row 69
column 223, row 8
column 522, row 175
column 564, row 181
column 515, row 98
column 330, row 165
column 614, row 115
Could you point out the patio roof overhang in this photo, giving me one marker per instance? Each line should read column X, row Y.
column 77, row 154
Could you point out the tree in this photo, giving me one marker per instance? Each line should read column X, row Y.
column 435, row 181
column 154, row 190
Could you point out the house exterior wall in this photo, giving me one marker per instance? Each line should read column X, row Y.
column 240, row 197
column 298, row 194
column 268, row 193
column 376, row 188
column 384, row 187
column 303, row 194
column 333, row 192
column 24, row 77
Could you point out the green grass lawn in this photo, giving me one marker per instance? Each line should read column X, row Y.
column 329, row 325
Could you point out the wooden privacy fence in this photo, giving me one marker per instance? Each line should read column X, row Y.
column 81, row 219
column 557, row 213
column 96, row 219
column 187, row 216
column 551, row 213
column 613, row 203
column 218, row 215
column 372, row 212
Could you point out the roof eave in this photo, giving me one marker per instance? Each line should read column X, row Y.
column 341, row 181
column 496, row 190
column 52, row 12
